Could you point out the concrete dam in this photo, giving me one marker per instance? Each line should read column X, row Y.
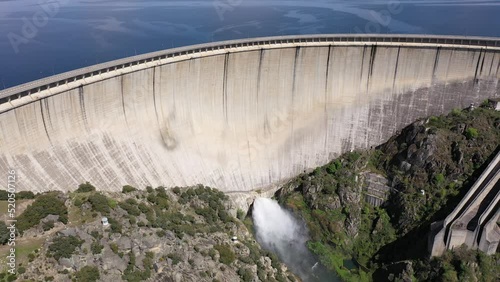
column 236, row 115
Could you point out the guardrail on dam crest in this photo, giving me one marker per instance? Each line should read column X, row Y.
column 236, row 115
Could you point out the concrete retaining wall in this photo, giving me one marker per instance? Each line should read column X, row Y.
column 238, row 118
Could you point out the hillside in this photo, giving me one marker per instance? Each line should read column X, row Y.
column 425, row 170
column 153, row 235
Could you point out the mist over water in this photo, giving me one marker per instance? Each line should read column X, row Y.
column 279, row 231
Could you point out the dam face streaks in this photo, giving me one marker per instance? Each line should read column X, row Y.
column 237, row 119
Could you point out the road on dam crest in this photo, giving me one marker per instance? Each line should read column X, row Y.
column 238, row 115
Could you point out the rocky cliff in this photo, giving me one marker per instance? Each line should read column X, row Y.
column 416, row 177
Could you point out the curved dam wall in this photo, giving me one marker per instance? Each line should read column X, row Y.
column 236, row 115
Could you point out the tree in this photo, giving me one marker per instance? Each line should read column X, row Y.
column 4, row 233
column 96, row 248
column 128, row 189
column 64, row 246
column 83, row 188
column 99, row 203
column 87, row 274
column 226, row 254
column 41, row 207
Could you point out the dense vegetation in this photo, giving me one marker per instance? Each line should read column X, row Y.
column 85, row 187
column 460, row 264
column 51, row 203
column 64, row 246
column 4, row 233
column 87, row 274
column 19, row 195
column 429, row 166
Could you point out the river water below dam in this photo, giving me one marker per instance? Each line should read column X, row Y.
column 277, row 230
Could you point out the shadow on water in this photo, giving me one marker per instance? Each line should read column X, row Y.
column 277, row 230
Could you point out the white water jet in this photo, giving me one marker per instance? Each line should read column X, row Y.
column 279, row 231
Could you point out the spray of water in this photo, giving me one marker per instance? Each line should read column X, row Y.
column 279, row 231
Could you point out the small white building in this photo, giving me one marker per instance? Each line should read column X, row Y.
column 104, row 221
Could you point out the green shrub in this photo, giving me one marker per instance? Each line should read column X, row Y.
column 226, row 254
column 132, row 220
column 41, row 207
column 4, row 233
column 95, row 234
column 471, row 133
column 99, row 203
column 245, row 274
column 456, row 112
column 31, row 257
column 161, row 192
column 46, row 226
column 64, row 246
column 128, row 189
column 87, row 274
column 114, row 247
column 144, row 208
column 112, row 203
column 116, row 226
column 21, row 270
column 176, row 258
column 176, row 190
column 84, row 188
column 131, row 209
column 25, row 195
column 439, row 179
column 78, row 202
column 240, row 214
column 96, row 248
column 4, row 195
column 333, row 166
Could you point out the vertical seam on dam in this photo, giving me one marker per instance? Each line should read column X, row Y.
column 154, row 98
column 491, row 64
column 373, row 53
column 477, row 66
column 327, row 72
column 43, row 120
column 46, row 101
column 82, row 105
column 297, row 50
column 362, row 65
column 224, row 86
column 261, row 55
column 123, row 100
column 326, row 94
column 498, row 67
column 436, row 62
column 482, row 65
column 396, row 69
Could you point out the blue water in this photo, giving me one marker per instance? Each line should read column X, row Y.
column 85, row 32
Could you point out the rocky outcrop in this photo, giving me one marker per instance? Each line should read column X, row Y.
column 158, row 236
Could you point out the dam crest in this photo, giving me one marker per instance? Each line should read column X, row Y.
column 236, row 115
